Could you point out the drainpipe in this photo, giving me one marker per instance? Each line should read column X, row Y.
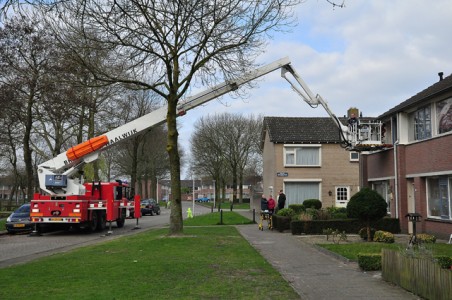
column 396, row 180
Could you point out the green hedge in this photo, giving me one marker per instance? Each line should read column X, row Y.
column 369, row 261
column 297, row 208
column 348, row 225
column 281, row 223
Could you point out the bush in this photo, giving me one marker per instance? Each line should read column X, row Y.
column 281, row 223
column 383, row 237
column 322, row 214
column 444, row 261
column 351, row 226
column 426, row 238
column 297, row 208
column 312, row 203
column 369, row 262
column 363, row 233
column 286, row 212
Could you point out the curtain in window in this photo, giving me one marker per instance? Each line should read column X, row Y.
column 439, row 197
column 422, row 122
column 297, row 192
column 307, row 156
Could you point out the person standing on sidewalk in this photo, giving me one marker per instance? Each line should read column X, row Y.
column 281, row 200
column 271, row 204
column 264, row 205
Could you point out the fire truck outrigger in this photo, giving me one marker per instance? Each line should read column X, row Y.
column 67, row 199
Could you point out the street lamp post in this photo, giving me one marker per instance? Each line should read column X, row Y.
column 193, row 193
column 214, row 195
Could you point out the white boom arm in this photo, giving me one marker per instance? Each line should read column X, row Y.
column 56, row 175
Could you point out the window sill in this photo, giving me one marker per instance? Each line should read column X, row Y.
column 439, row 220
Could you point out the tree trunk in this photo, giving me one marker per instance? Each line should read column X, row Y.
column 27, row 148
column 176, row 224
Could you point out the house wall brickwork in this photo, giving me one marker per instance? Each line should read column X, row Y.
column 336, row 170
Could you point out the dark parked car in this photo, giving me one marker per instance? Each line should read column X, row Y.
column 150, row 207
column 19, row 220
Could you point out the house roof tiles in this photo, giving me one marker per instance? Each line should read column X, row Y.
column 302, row 130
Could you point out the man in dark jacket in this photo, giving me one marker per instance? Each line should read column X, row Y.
column 281, row 200
column 264, row 204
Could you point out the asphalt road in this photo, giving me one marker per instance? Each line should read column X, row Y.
column 22, row 248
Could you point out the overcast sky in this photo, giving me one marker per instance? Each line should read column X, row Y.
column 372, row 54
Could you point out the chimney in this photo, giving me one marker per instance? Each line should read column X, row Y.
column 440, row 74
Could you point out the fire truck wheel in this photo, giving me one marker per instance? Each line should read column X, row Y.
column 102, row 220
column 120, row 222
column 92, row 225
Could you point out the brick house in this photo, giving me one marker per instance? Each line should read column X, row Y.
column 304, row 158
column 416, row 174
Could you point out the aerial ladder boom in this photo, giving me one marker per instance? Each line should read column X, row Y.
column 57, row 175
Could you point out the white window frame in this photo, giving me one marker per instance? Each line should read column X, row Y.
column 342, row 202
column 288, row 148
column 351, row 157
column 448, row 195
column 423, row 128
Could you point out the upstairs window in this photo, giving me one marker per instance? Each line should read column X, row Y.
column 422, row 124
column 444, row 115
column 302, row 156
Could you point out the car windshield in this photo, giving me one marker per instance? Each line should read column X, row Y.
column 23, row 209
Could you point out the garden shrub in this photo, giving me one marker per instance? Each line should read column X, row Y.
column 426, row 238
column 312, row 203
column 305, row 216
column 351, row 226
column 286, row 212
column 297, row 208
column 323, row 214
column 387, row 224
column 363, row 233
column 444, row 261
column 369, row 262
column 383, row 237
column 281, row 223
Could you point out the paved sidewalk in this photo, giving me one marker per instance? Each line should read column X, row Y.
column 314, row 274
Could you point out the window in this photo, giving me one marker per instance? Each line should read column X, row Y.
column 297, row 192
column 422, row 124
column 342, row 196
column 439, row 197
column 342, row 193
column 302, row 156
column 382, row 188
column 444, row 115
column 354, row 156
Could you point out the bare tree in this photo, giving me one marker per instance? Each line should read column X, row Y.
column 26, row 54
column 226, row 142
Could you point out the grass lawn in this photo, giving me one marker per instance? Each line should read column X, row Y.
column 227, row 205
column 352, row 250
column 229, row 218
column 2, row 224
column 210, row 262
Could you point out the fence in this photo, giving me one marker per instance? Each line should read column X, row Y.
column 421, row 276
